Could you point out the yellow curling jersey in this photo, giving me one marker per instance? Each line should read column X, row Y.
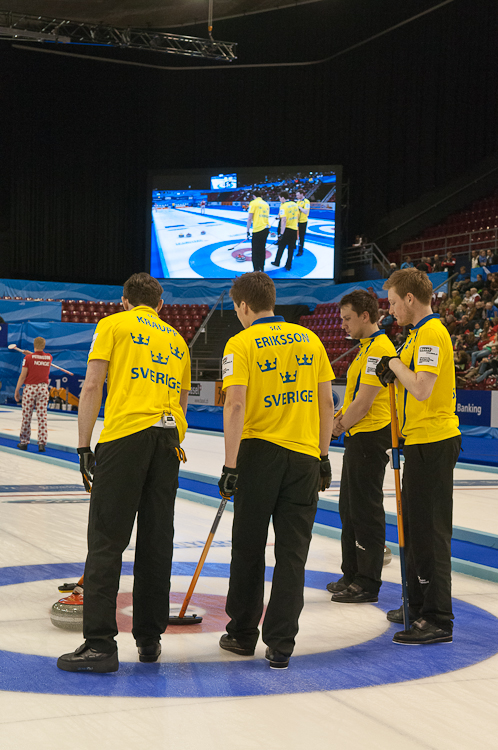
column 281, row 364
column 428, row 348
column 260, row 211
column 362, row 370
column 304, row 206
column 290, row 210
column 149, row 364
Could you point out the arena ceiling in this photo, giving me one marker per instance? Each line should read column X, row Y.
column 166, row 14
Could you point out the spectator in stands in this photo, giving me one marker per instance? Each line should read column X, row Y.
column 477, row 312
column 443, row 304
column 474, row 294
column 386, row 321
column 436, row 264
column 492, row 283
column 462, row 359
column 480, row 282
column 462, row 277
column 477, row 329
column 423, row 265
column 463, row 326
column 474, row 259
column 449, row 321
column 484, row 345
column 491, row 311
column 455, row 298
column 489, row 257
column 407, row 263
column 392, row 268
column 488, row 366
column 449, row 262
column 371, row 292
column 482, row 257
column 359, row 241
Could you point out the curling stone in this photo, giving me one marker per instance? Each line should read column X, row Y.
column 67, row 613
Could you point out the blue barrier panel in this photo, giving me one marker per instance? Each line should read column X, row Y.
column 17, row 311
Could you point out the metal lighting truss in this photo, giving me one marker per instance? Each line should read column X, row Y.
column 38, row 28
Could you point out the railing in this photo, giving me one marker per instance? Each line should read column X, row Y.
column 369, row 254
column 203, row 327
column 448, row 243
column 201, row 364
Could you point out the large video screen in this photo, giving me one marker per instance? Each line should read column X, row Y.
column 198, row 221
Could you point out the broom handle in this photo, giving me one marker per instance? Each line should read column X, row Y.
column 205, row 551
column 399, row 507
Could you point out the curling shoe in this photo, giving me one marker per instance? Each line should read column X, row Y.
column 41, row 447
column 422, row 632
column 354, row 594
column 396, row 615
column 335, row 586
column 276, row 659
column 22, row 446
column 86, row 659
column 227, row 643
column 388, row 556
column 148, row 654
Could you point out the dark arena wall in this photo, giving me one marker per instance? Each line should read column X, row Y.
column 405, row 113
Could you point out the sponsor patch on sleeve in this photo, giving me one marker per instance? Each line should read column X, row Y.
column 372, row 363
column 428, row 356
column 93, row 342
column 227, row 366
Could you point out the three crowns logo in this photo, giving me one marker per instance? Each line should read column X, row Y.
column 305, row 361
column 140, row 339
column 288, row 378
column 268, row 366
column 159, row 359
column 176, row 352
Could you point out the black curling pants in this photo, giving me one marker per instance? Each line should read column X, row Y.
column 287, row 240
column 136, row 474
column 361, row 507
column 258, row 244
column 301, row 228
column 428, row 517
column 279, row 484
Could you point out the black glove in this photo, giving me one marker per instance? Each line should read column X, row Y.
column 325, row 473
column 228, row 482
column 384, row 372
column 87, row 467
column 248, row 235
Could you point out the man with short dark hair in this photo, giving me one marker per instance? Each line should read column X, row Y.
column 259, row 218
column 278, row 419
column 147, row 365
column 35, row 374
column 426, row 400
column 365, row 418
column 288, row 214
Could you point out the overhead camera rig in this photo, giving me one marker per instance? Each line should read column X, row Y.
column 38, row 28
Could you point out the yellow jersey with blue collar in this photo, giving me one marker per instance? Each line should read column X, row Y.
column 362, row 370
column 260, row 211
column 290, row 210
column 428, row 348
column 281, row 364
column 304, row 205
column 149, row 365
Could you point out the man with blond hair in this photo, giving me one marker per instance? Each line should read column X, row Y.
column 425, row 375
column 34, row 376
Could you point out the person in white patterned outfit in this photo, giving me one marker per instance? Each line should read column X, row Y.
column 34, row 376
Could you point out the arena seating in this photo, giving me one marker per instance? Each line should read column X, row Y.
column 187, row 319
column 475, row 228
column 326, row 323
